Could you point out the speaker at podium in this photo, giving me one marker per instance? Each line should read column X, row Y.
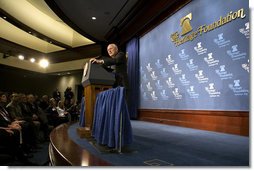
column 94, row 80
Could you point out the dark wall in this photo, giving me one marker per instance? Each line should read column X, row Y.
column 23, row 81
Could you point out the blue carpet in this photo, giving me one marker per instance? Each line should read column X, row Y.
column 41, row 157
column 164, row 145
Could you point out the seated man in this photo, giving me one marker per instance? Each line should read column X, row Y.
column 28, row 128
column 11, row 131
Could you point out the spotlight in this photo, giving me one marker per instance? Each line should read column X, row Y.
column 44, row 63
column 32, row 60
column 21, row 57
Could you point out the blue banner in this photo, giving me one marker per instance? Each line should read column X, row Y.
column 198, row 59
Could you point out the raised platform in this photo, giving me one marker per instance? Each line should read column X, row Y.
column 153, row 145
column 64, row 152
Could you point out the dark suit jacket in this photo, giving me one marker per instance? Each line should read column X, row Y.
column 4, row 121
column 120, row 64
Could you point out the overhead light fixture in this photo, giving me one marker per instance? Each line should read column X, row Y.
column 93, row 18
column 44, row 63
column 21, row 57
column 32, row 60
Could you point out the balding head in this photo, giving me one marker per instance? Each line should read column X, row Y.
column 112, row 50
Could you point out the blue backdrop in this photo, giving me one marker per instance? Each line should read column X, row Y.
column 211, row 72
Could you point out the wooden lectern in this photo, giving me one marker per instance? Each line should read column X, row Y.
column 95, row 79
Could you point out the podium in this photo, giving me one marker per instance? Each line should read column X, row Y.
column 95, row 79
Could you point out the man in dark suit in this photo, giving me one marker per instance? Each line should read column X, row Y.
column 118, row 62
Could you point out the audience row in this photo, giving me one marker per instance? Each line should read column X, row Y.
column 25, row 121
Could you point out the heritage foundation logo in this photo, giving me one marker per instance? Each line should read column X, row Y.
column 185, row 24
column 212, row 91
column 158, row 85
column 154, row 77
column 235, row 54
column 246, row 66
column 246, row 31
column 201, row 78
column 177, row 94
column 223, row 74
column 145, row 96
column 163, row 94
column 183, row 56
column 184, row 81
column 163, row 72
column 158, row 64
column 149, row 87
column 191, row 65
column 199, row 49
column 192, row 93
column 154, row 97
column 237, row 89
column 169, row 60
column 176, row 70
column 220, row 41
column 188, row 35
column 210, row 60
column 170, row 83
column 149, row 68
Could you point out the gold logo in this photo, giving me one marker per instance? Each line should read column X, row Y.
column 185, row 23
column 180, row 38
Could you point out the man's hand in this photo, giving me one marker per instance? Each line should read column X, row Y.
column 10, row 131
column 97, row 61
column 93, row 60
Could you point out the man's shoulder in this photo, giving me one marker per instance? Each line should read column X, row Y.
column 121, row 53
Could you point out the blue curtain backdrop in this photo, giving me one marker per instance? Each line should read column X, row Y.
column 210, row 72
column 132, row 49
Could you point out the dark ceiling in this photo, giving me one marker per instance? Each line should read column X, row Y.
column 116, row 21
column 79, row 13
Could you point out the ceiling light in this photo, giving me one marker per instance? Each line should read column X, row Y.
column 4, row 17
column 21, row 57
column 93, row 18
column 44, row 63
column 32, row 60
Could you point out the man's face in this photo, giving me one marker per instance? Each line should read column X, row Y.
column 112, row 50
column 15, row 97
column 3, row 98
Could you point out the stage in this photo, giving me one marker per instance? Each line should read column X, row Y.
column 153, row 145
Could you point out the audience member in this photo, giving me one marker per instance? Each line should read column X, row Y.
column 44, row 102
column 68, row 95
column 38, row 115
column 56, row 95
column 28, row 128
column 11, row 132
column 73, row 110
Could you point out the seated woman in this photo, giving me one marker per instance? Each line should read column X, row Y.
column 64, row 116
column 57, row 113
